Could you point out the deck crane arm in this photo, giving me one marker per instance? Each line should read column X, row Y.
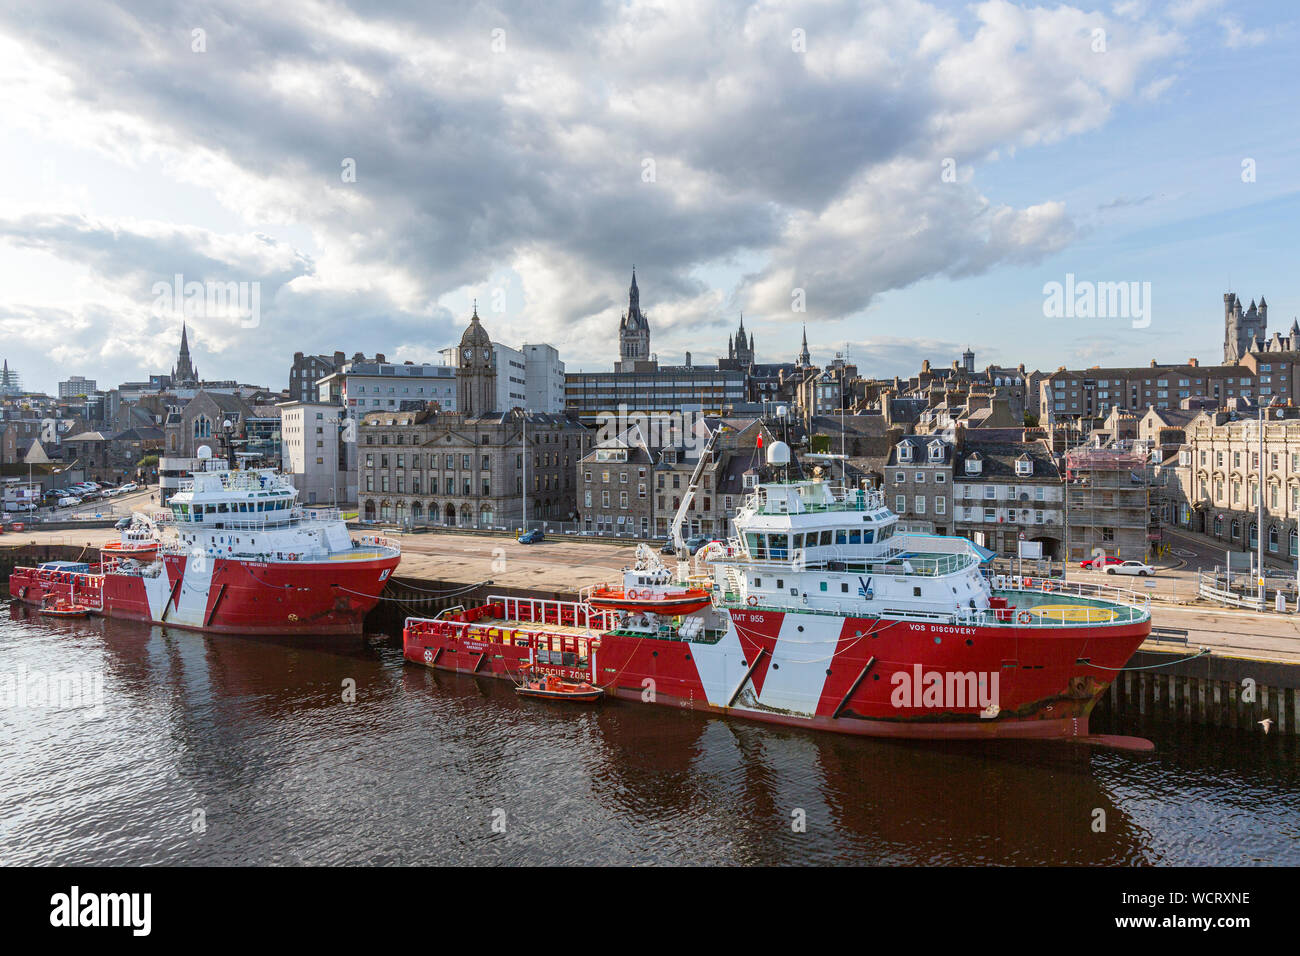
column 675, row 534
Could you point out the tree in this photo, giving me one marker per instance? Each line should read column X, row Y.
column 148, row 461
column 819, row 444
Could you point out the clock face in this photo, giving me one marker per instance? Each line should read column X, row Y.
column 469, row 354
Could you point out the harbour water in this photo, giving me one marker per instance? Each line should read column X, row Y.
column 196, row 749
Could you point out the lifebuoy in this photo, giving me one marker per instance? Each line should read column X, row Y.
column 633, row 594
column 752, row 600
column 1024, row 617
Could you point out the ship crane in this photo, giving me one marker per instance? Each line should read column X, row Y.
column 675, row 533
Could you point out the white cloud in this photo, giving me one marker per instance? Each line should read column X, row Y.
column 824, row 165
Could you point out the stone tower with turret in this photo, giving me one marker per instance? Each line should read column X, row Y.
column 476, row 372
column 1243, row 329
column 633, row 333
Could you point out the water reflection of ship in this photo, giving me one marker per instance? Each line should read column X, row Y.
column 945, row 804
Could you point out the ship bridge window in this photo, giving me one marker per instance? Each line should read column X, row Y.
column 841, row 536
column 855, row 537
column 868, row 535
column 757, row 545
column 826, row 539
column 779, row 545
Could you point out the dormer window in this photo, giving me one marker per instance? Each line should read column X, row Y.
column 904, row 452
column 936, row 451
column 1024, row 466
column 974, row 465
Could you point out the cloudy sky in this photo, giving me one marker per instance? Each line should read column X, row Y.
column 913, row 173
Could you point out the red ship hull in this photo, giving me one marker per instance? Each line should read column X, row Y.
column 224, row 596
column 864, row 676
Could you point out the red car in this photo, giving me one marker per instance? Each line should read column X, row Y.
column 1099, row 563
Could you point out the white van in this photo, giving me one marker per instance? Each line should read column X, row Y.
column 69, row 502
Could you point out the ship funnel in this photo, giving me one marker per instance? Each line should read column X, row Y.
column 778, row 454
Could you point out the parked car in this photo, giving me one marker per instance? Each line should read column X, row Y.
column 1099, row 563
column 669, row 548
column 1131, row 567
column 71, row 501
column 697, row 541
column 129, row 487
column 531, row 537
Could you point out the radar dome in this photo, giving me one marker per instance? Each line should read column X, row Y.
column 778, row 453
column 204, row 452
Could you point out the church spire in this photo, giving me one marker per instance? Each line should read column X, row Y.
column 804, row 358
column 184, row 371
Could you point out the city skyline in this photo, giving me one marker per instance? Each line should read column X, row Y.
column 369, row 180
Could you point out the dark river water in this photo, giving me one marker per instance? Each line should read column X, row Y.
column 220, row 750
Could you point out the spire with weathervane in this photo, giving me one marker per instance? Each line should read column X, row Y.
column 805, row 359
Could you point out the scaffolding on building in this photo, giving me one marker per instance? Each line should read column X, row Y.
column 1107, row 503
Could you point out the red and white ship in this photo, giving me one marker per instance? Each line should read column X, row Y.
column 238, row 556
column 820, row 613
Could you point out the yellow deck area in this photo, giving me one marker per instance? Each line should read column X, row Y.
column 357, row 554
column 1073, row 612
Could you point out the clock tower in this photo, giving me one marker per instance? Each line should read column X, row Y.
column 476, row 373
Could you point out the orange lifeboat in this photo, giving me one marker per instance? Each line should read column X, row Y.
column 138, row 540
column 550, row 687
column 63, row 609
column 138, row 551
column 648, row 586
column 667, row 600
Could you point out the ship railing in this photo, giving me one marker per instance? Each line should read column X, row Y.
column 261, row 521
column 893, row 560
column 377, row 541
column 1101, row 592
column 1074, row 615
column 524, row 611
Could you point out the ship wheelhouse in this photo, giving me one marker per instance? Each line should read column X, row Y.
column 807, row 545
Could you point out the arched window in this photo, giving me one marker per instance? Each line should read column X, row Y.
column 1291, row 543
column 202, row 427
column 485, row 516
column 417, row 512
column 1236, row 528
column 370, row 509
column 1254, row 534
column 1272, row 538
column 1218, row 526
